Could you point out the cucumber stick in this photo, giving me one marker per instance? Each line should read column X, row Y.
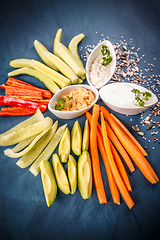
column 21, row 145
column 10, row 153
column 48, row 82
column 62, row 67
column 38, row 116
column 73, row 47
column 61, row 80
column 47, row 152
column 57, row 39
column 34, row 152
column 69, row 59
column 26, row 132
column 41, row 49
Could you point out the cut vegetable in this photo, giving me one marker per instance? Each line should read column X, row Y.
column 95, row 158
column 131, row 148
column 38, row 116
column 61, row 177
column 57, row 39
column 121, row 186
column 26, row 132
column 10, row 153
column 21, row 145
column 130, row 135
column 34, row 152
column 41, row 49
column 112, row 184
column 22, row 84
column 76, row 138
column 16, row 111
column 85, row 140
column 47, row 152
column 73, row 47
column 49, row 182
column 62, row 67
column 21, row 62
column 72, row 173
column 69, row 59
column 120, row 147
column 64, row 147
column 61, row 80
column 85, row 181
column 48, row 82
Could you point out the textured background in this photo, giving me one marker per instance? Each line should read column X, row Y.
column 23, row 211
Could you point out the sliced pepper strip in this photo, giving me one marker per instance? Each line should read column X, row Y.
column 16, row 111
column 19, row 83
column 16, row 102
column 10, row 90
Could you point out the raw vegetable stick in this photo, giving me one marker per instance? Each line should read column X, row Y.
column 94, row 156
column 120, row 167
column 38, row 116
column 16, row 111
column 19, row 83
column 121, row 186
column 131, row 148
column 130, row 135
column 34, row 152
column 112, row 184
column 26, row 132
column 47, row 152
column 120, row 147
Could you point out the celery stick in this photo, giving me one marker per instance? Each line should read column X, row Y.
column 47, row 152
column 38, row 116
column 48, row 82
column 33, row 153
column 26, row 132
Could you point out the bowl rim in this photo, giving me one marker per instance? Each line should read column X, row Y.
column 130, row 108
column 75, row 86
column 89, row 61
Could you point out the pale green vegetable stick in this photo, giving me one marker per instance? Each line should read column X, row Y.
column 47, row 152
column 48, row 82
column 10, row 153
column 38, row 116
column 26, row 132
column 23, row 144
column 33, row 153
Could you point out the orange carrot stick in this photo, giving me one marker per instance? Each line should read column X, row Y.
column 131, row 148
column 112, row 184
column 120, row 148
column 122, row 188
column 120, row 167
column 94, row 157
column 130, row 135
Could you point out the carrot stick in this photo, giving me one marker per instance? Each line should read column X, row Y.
column 120, row 167
column 120, row 148
column 122, row 188
column 94, row 157
column 131, row 148
column 112, row 184
column 130, row 135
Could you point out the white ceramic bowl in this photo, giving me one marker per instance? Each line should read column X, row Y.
column 107, row 96
column 71, row 114
column 95, row 53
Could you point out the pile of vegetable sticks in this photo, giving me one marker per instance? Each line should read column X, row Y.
column 113, row 140
column 22, row 98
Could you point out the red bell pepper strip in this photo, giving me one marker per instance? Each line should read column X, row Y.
column 19, row 83
column 16, row 102
column 9, row 90
column 16, row 111
column 32, row 99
